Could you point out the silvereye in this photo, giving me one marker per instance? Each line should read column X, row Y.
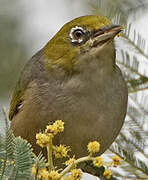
column 74, row 78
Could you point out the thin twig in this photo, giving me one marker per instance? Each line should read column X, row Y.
column 49, row 154
column 68, row 168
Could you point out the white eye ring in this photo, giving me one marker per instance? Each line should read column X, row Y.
column 71, row 35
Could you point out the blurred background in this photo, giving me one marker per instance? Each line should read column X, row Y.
column 26, row 26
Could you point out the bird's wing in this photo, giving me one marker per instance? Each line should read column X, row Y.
column 29, row 73
column 16, row 101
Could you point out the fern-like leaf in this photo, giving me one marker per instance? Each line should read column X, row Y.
column 136, row 41
column 39, row 161
column 120, row 11
column 130, row 158
column 7, row 150
column 23, row 160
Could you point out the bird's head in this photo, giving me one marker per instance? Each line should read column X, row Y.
column 86, row 37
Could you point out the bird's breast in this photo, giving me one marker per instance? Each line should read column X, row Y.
column 92, row 107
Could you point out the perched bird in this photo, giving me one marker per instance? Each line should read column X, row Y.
column 74, row 78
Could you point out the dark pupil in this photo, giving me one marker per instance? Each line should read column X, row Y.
column 78, row 33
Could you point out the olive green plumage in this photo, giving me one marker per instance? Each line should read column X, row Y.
column 60, row 51
column 74, row 78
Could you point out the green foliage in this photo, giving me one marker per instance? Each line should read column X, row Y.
column 119, row 10
column 138, row 167
column 39, row 161
column 16, row 157
column 22, row 157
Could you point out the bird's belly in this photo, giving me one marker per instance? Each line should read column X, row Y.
column 88, row 116
column 91, row 111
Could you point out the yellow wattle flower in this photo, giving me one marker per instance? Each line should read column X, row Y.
column 93, row 147
column 42, row 139
column 33, row 169
column 43, row 174
column 98, row 161
column 56, row 127
column 107, row 173
column 53, row 175
column 70, row 161
column 61, row 151
column 76, row 174
column 116, row 160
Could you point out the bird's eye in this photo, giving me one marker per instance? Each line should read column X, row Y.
column 77, row 35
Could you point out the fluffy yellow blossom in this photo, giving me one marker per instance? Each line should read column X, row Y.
column 43, row 174
column 42, row 139
column 98, row 161
column 60, row 125
column 53, row 175
column 34, row 169
column 107, row 173
column 56, row 127
column 70, row 161
column 12, row 162
column 93, row 147
column 76, row 173
column 116, row 160
column 61, row 151
column 9, row 162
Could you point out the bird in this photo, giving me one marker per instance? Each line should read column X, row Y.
column 75, row 78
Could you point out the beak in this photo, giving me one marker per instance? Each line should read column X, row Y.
column 105, row 34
